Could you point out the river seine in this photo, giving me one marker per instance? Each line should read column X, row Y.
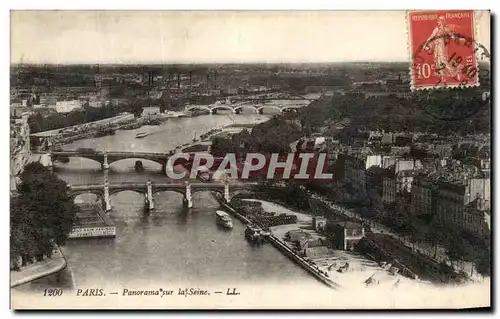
column 173, row 245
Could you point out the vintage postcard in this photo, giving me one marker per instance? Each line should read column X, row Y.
column 250, row 160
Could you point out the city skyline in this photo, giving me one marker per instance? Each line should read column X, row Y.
column 202, row 37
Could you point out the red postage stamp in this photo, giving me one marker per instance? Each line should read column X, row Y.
column 443, row 49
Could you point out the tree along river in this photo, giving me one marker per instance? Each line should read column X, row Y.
column 173, row 245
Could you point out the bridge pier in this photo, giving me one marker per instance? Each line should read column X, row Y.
column 50, row 165
column 107, row 199
column 227, row 198
column 105, row 165
column 149, row 197
column 188, row 200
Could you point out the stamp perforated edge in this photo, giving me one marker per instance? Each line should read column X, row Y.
column 410, row 56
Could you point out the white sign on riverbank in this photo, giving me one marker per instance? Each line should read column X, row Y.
column 89, row 232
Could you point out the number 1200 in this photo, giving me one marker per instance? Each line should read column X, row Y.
column 53, row 292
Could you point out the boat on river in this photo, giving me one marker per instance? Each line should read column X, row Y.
column 223, row 219
column 141, row 135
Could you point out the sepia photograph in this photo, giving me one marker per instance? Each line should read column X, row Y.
column 250, row 159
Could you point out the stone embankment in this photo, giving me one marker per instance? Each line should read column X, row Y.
column 39, row 269
column 282, row 247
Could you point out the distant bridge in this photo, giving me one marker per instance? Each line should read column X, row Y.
column 104, row 191
column 106, row 158
column 237, row 108
column 273, row 96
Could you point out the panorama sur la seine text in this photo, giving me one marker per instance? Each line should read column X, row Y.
column 99, row 292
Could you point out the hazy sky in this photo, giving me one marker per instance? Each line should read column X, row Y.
column 199, row 37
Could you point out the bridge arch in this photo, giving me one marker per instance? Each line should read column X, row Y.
column 290, row 107
column 240, row 107
column 175, row 190
column 269, row 106
column 159, row 161
column 91, row 157
column 140, row 191
column 208, row 189
column 198, row 107
column 98, row 193
column 222, row 107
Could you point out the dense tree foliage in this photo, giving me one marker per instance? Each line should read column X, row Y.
column 273, row 136
column 293, row 195
column 460, row 114
column 42, row 213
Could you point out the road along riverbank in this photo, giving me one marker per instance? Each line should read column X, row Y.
column 109, row 126
column 303, row 238
column 283, row 248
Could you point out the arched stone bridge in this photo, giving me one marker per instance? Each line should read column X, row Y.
column 270, row 97
column 106, row 158
column 236, row 108
column 104, row 191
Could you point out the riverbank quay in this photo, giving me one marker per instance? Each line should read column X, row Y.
column 283, row 248
column 124, row 121
column 82, row 131
column 348, row 269
column 315, row 271
column 39, row 269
